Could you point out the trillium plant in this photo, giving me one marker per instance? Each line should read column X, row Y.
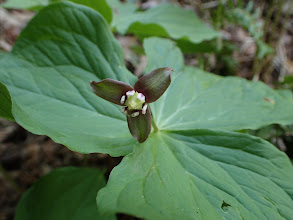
column 187, row 159
column 146, row 90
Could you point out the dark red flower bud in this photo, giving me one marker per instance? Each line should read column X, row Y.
column 111, row 90
column 147, row 89
column 140, row 124
column 154, row 84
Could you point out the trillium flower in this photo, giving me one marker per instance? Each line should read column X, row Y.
column 135, row 100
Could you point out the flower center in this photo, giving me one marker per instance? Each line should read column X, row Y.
column 134, row 100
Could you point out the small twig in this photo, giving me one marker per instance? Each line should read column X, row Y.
column 281, row 145
column 209, row 5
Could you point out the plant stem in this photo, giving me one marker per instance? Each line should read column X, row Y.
column 219, row 24
column 85, row 160
column 282, row 30
column 8, row 178
column 284, row 22
column 154, row 126
column 239, row 3
column 276, row 21
column 256, row 67
column 268, row 19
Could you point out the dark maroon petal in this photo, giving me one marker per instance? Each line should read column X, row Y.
column 154, row 84
column 110, row 90
column 140, row 126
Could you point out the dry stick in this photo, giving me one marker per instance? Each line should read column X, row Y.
column 11, row 181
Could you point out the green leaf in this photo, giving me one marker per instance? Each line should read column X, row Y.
column 24, row 4
column 64, row 194
column 197, row 99
column 63, row 48
column 204, row 174
column 120, row 9
column 263, row 49
column 164, row 20
column 100, row 5
column 5, row 100
column 201, row 174
column 204, row 47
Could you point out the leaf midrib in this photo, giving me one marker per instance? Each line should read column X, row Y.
column 227, row 174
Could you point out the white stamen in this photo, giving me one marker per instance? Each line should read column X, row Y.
column 130, row 93
column 134, row 114
column 141, row 97
column 122, row 100
column 124, row 110
column 144, row 109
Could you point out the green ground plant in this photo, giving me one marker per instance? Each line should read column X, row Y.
column 193, row 165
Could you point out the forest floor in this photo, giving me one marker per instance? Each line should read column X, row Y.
column 25, row 157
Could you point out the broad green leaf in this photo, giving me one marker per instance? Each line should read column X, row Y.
column 5, row 100
column 165, row 20
column 63, row 48
column 204, row 47
column 2, row 54
column 25, row 4
column 288, row 82
column 120, row 9
column 197, row 99
column 201, row 174
column 99, row 5
column 64, row 194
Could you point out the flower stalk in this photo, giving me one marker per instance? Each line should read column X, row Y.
column 155, row 126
